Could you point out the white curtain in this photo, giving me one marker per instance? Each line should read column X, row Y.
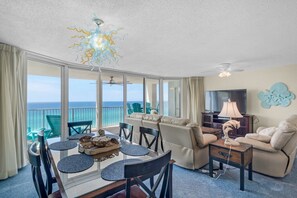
column 193, row 99
column 13, row 145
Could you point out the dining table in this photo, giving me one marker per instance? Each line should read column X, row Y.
column 89, row 182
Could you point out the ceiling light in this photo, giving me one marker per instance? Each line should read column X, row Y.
column 224, row 74
column 96, row 46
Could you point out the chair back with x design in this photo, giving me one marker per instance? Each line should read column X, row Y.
column 50, row 179
column 34, row 159
column 126, row 131
column 158, row 166
column 79, row 127
column 153, row 132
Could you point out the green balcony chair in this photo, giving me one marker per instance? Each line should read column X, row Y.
column 54, row 122
column 129, row 109
column 137, row 107
column 32, row 135
column 148, row 108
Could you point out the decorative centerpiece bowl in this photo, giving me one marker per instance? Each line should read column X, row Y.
column 96, row 145
column 100, row 141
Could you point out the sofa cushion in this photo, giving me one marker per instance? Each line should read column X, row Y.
column 257, row 144
column 137, row 115
column 192, row 124
column 156, row 118
column 148, row 117
column 180, row 121
column 268, row 131
column 166, row 119
column 280, row 139
column 293, row 120
column 261, row 138
column 286, row 126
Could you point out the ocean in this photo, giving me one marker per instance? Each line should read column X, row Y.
column 55, row 105
column 112, row 113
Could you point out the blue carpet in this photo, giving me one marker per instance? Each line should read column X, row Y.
column 186, row 184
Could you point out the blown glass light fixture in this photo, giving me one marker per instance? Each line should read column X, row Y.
column 96, row 46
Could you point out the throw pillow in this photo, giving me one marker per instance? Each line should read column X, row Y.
column 280, row 139
column 261, row 138
column 268, row 131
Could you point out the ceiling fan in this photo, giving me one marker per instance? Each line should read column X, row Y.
column 112, row 82
column 225, row 70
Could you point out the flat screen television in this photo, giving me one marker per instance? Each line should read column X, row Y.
column 214, row 99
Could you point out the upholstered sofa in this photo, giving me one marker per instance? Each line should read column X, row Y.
column 274, row 148
column 189, row 146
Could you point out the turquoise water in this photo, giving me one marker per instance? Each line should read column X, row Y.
column 112, row 113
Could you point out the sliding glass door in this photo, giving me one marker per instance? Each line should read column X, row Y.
column 82, row 91
column 43, row 100
column 152, row 96
column 112, row 99
column 134, row 95
column 171, row 98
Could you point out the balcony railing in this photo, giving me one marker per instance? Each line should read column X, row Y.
column 111, row 116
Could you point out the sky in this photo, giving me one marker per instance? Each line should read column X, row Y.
column 48, row 89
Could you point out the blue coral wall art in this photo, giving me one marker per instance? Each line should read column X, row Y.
column 278, row 95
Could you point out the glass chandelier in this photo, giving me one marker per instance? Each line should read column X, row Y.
column 96, row 46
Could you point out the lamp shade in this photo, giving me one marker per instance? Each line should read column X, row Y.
column 230, row 110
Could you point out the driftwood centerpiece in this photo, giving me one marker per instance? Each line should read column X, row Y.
column 96, row 145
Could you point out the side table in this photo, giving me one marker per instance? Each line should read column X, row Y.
column 239, row 156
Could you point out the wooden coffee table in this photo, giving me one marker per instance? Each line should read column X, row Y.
column 239, row 156
column 213, row 131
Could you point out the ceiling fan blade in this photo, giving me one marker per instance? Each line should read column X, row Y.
column 237, row 70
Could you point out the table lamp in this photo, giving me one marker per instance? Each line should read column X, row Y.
column 230, row 110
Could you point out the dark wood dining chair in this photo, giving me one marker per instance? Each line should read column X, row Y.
column 126, row 130
column 137, row 173
column 154, row 133
column 34, row 159
column 75, row 127
column 50, row 179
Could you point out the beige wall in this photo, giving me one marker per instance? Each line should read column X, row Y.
column 256, row 81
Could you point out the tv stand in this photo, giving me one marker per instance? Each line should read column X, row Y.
column 214, row 121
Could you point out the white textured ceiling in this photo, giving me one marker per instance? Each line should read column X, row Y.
column 162, row 37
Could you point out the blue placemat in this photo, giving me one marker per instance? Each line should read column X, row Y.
column 115, row 171
column 62, row 146
column 134, row 150
column 77, row 136
column 75, row 163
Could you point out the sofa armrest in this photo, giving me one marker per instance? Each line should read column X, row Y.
column 260, row 129
column 208, row 138
column 257, row 144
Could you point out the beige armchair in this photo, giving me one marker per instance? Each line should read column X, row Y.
column 274, row 148
column 188, row 145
